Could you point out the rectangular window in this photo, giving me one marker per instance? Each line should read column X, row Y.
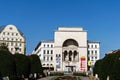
column 51, row 51
column 44, row 45
column 48, row 45
column 12, row 34
column 51, row 58
column 91, row 46
column 88, row 52
column 47, row 51
column 11, row 43
column 44, row 58
column 92, row 52
column 47, row 58
column 20, row 44
column 95, row 57
column 51, row 45
column 44, row 52
column 3, row 33
column 20, row 49
column 88, row 46
column 95, row 46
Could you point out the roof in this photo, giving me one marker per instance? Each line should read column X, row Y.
column 43, row 41
column 89, row 41
column 47, row 41
column 2, row 28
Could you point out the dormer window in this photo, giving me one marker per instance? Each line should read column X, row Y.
column 10, row 28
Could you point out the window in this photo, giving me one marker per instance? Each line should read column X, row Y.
column 47, row 51
column 3, row 33
column 20, row 49
column 51, row 45
column 95, row 46
column 88, row 52
column 88, row 46
column 56, row 55
column 95, row 57
column 51, row 64
column 11, row 43
column 39, row 55
column 10, row 28
column 51, row 58
column 95, row 52
column 48, row 45
column 47, row 58
column 92, row 58
column 11, row 49
column 12, row 34
column 43, row 64
column 44, row 45
column 16, row 44
column 8, row 33
column 16, row 34
column 92, row 52
column 20, row 44
column 44, row 52
column 51, row 51
column 44, row 58
column 91, row 46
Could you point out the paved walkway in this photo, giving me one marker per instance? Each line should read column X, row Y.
column 49, row 77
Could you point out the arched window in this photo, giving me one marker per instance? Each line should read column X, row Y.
column 70, row 42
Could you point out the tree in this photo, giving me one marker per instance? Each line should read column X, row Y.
column 7, row 63
column 3, row 46
column 36, row 66
column 108, row 66
column 22, row 65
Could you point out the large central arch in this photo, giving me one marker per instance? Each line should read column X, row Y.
column 69, row 42
column 70, row 53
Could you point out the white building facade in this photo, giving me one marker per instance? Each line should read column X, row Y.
column 68, row 51
column 13, row 38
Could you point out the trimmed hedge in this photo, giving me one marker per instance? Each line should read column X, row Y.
column 22, row 65
column 56, row 73
column 108, row 66
column 19, row 66
column 7, row 64
column 79, row 73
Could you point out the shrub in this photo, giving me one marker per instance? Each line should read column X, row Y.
column 7, row 64
column 22, row 65
column 56, row 73
column 79, row 73
column 35, row 65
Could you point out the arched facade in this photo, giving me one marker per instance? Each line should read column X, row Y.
column 70, row 54
column 71, row 44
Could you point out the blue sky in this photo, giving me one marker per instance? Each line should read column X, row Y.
column 38, row 19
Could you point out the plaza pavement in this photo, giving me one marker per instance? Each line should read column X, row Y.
column 49, row 77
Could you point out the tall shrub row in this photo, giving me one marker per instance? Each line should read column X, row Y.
column 18, row 65
column 109, row 66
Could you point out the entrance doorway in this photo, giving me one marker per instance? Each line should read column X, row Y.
column 70, row 68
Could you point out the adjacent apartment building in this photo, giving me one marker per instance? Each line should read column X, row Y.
column 13, row 38
column 69, row 51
